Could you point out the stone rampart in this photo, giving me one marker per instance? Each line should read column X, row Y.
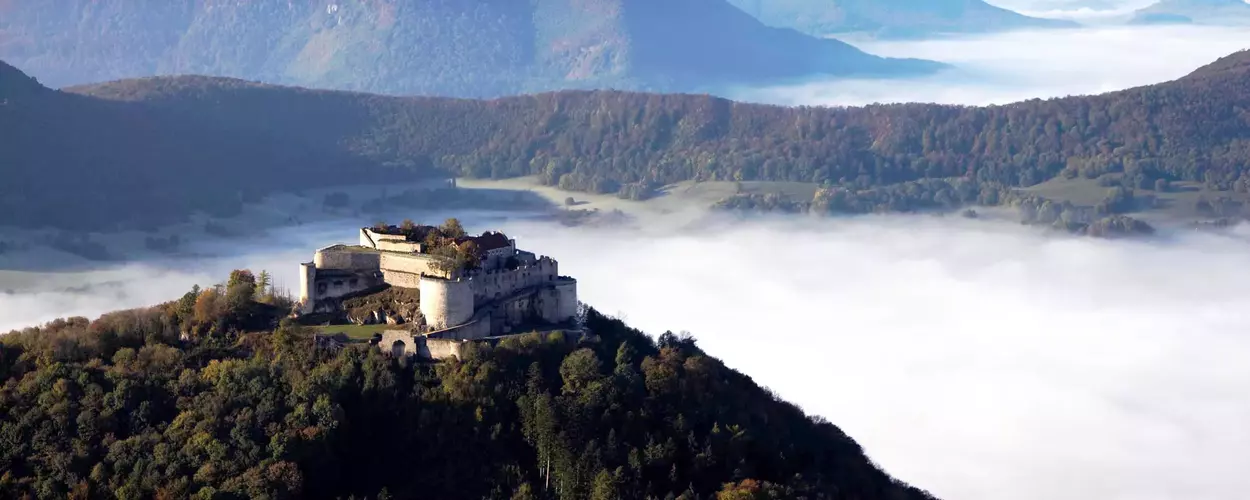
column 446, row 303
column 440, row 348
column 398, row 246
column 346, row 258
column 401, row 279
column 412, row 264
column 494, row 284
column 332, row 285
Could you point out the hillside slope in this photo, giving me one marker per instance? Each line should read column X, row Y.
column 1216, row 12
column 207, row 143
column 121, row 407
column 892, row 18
column 436, row 47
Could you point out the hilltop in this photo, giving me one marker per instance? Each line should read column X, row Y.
column 208, row 144
column 14, row 84
column 892, row 18
column 439, row 47
column 1225, row 12
column 212, row 395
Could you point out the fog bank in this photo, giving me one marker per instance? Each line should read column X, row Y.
column 1014, row 66
column 977, row 360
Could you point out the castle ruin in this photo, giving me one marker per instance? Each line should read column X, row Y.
column 469, row 287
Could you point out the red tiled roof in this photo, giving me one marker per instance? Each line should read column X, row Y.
column 490, row 241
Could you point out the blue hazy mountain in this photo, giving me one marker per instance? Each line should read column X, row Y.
column 892, row 18
column 1215, row 12
column 443, row 47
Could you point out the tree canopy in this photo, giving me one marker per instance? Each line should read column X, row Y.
column 127, row 406
column 222, row 142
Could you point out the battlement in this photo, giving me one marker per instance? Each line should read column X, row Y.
column 474, row 286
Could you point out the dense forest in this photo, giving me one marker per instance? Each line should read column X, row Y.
column 199, row 143
column 214, row 396
column 482, row 48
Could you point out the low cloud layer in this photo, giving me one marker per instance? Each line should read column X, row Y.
column 975, row 359
column 1009, row 67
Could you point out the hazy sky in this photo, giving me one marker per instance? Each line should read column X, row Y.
column 1009, row 67
column 979, row 360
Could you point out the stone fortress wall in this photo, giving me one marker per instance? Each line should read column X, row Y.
column 346, row 258
column 513, row 287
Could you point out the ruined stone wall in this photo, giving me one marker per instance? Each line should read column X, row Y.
column 401, row 279
column 566, row 300
column 494, row 285
column 327, row 286
column 398, row 343
column 368, row 237
column 477, row 328
column 446, row 303
column 440, row 348
column 346, row 258
column 398, row 246
column 415, row 264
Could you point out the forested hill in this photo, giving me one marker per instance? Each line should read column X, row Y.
column 892, row 18
column 479, row 48
column 207, row 143
column 120, row 407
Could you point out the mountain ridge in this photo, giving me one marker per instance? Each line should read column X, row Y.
column 235, row 140
column 439, row 47
column 892, row 18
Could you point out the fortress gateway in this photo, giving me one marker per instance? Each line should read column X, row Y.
column 469, row 287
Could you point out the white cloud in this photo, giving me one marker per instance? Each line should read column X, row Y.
column 1009, row 67
column 976, row 360
column 979, row 360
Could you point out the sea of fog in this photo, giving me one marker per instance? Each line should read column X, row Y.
column 1008, row 67
column 979, row 360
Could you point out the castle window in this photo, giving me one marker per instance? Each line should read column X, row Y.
column 338, row 283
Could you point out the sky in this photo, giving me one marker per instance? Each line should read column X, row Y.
column 976, row 359
column 1009, row 67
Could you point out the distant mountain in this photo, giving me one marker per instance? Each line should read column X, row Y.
column 1219, row 12
column 431, row 47
column 153, row 150
column 892, row 18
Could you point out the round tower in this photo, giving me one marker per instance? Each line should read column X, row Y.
column 446, row 303
column 307, row 280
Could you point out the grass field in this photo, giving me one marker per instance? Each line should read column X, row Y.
column 1177, row 205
